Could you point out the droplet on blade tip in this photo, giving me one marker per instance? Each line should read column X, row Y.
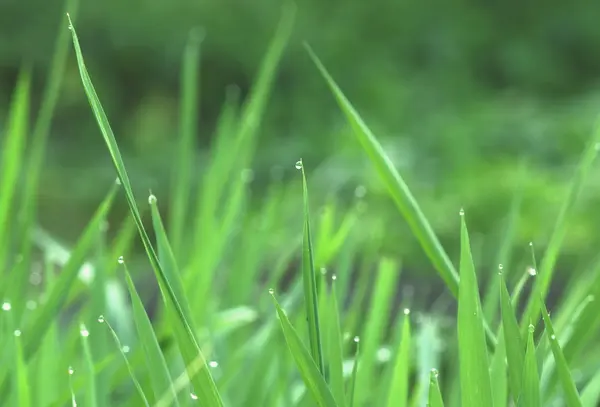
column 299, row 164
column 406, row 311
column 531, row 328
column 121, row 260
column 193, row 396
column 152, row 199
column 356, row 339
column 271, row 291
column 101, row 319
column 6, row 306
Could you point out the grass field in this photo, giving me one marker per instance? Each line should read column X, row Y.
column 239, row 324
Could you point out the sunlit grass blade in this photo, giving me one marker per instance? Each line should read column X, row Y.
column 498, row 372
column 46, row 313
column 590, row 396
column 335, row 354
column 475, row 385
column 571, row 395
column 352, row 386
column 530, row 395
column 91, row 388
column 398, row 391
column 160, row 378
column 310, row 281
column 396, row 186
column 122, row 351
column 542, row 283
column 202, row 380
column 435, row 395
column 313, row 379
column 512, row 338
column 21, row 371
column 188, row 106
column 15, row 135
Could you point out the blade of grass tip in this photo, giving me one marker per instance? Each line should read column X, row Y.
column 435, row 395
column 56, row 298
column 352, row 387
column 542, row 283
column 336, row 358
column 158, row 371
column 397, row 188
column 310, row 282
column 388, row 274
column 22, row 385
column 571, row 395
column 184, row 332
column 122, row 350
column 530, row 397
column 498, row 372
column 398, row 391
column 515, row 353
column 12, row 157
column 590, row 396
column 476, row 389
column 188, row 105
column 311, row 375
column 91, row 392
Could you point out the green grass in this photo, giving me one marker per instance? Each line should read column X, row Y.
column 238, row 323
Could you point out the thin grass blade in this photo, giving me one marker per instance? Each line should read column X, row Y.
column 312, row 377
column 435, row 395
column 336, row 359
column 91, row 392
column 590, row 396
column 530, row 396
column 352, row 387
column 398, row 391
column 515, row 353
column 476, row 390
column 498, row 372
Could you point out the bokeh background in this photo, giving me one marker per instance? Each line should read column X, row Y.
column 473, row 101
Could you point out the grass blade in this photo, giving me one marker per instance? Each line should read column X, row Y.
column 571, row 395
column 91, row 391
column 530, row 396
column 513, row 342
column 313, row 379
column 435, row 395
column 476, row 390
column 310, row 282
column 398, row 392
column 160, row 378
column 336, row 360
column 352, row 388
column 201, row 378
column 590, row 396
column 498, row 373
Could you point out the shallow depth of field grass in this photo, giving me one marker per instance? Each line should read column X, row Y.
column 236, row 326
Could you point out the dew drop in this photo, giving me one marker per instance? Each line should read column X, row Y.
column 531, row 271
column 435, row 372
column 84, row 332
column 118, row 181
column 299, row 164
column 101, row 319
column 553, row 337
column 17, row 332
column 6, row 306
column 152, row 199
column 71, row 371
column 35, row 278
column 193, row 396
column 356, row 339
column 213, row 363
column 121, row 260
column 531, row 328
column 461, row 212
column 333, row 277
column 530, row 244
column 125, row 349
column 360, row 191
column 500, row 267
column 271, row 291
column 323, row 270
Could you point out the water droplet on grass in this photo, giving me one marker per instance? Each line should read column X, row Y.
column 125, row 349
column 435, row 372
column 152, row 199
column 6, row 306
column 356, row 339
column 121, row 260
column 84, row 332
column 71, row 371
column 334, row 277
column 213, row 363
column 531, row 271
column 299, row 164
column 17, row 332
column 271, row 291
column 531, row 328
column 360, row 191
column 553, row 337
column 101, row 319
column 406, row 311
column 461, row 212
column 193, row 396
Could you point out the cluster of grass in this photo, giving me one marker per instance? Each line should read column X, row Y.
column 246, row 332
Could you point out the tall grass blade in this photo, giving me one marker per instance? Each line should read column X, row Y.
column 201, row 379
column 515, row 353
column 336, row 360
column 571, row 395
column 435, row 395
column 398, row 391
column 530, row 396
column 498, row 372
column 91, row 390
column 475, row 385
column 352, row 387
column 309, row 280
column 312, row 377
column 590, row 396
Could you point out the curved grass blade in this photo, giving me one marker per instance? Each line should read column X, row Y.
column 160, row 378
column 310, row 282
column 542, row 283
column 530, row 396
column 398, row 391
column 335, row 355
column 312, row 377
column 571, row 395
column 121, row 349
column 58, row 295
column 476, row 390
column 435, row 395
column 183, row 329
column 397, row 188
column 512, row 338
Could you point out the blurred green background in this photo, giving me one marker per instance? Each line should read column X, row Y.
column 472, row 101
